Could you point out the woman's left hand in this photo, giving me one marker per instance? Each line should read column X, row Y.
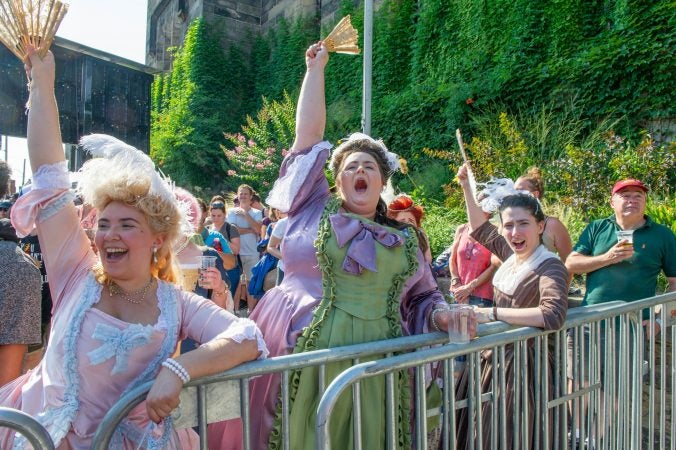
column 163, row 396
column 210, row 278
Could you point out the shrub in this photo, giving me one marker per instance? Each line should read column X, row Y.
column 257, row 152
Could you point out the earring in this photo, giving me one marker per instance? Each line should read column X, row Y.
column 154, row 255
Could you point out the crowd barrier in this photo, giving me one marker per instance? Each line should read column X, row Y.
column 241, row 375
column 626, row 406
column 25, row 425
column 634, row 408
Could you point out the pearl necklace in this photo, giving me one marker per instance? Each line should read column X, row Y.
column 114, row 289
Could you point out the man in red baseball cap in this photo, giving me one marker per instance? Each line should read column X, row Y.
column 622, row 256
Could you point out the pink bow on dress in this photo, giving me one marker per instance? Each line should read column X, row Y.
column 361, row 254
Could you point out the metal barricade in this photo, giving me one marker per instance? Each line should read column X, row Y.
column 25, row 425
column 618, row 394
column 283, row 365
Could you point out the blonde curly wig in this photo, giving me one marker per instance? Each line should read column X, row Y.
column 126, row 175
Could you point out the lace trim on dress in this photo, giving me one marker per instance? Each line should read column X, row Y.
column 57, row 205
column 246, row 330
column 52, row 176
column 57, row 421
column 307, row 341
column 286, row 188
column 167, row 296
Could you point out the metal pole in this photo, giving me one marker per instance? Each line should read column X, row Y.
column 27, row 426
column 368, row 64
column 6, row 146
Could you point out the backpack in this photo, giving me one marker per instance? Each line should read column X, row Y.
column 227, row 235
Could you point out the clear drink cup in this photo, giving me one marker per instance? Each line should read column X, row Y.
column 205, row 263
column 625, row 235
column 189, row 274
column 458, row 323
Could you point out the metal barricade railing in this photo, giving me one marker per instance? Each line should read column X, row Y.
column 27, row 426
column 243, row 373
column 552, row 400
column 613, row 398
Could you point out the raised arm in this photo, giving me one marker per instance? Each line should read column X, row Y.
column 49, row 205
column 475, row 215
column 44, row 134
column 311, row 109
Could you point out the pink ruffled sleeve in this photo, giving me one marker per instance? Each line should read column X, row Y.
column 301, row 179
column 66, row 250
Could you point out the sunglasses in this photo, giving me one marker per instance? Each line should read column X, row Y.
column 218, row 205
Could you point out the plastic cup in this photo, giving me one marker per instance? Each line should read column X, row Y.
column 189, row 275
column 625, row 235
column 458, row 323
column 205, row 263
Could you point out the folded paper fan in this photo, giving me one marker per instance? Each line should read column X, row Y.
column 343, row 38
column 30, row 22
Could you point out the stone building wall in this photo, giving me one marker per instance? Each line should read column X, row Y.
column 239, row 20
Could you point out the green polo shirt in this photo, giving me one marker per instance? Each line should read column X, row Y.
column 632, row 279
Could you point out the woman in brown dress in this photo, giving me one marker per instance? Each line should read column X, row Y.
column 530, row 289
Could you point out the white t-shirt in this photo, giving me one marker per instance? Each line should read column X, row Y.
column 249, row 241
column 279, row 231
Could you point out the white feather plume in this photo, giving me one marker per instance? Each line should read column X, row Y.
column 388, row 193
column 115, row 158
column 494, row 191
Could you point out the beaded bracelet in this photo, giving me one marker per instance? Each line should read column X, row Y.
column 177, row 368
column 180, row 367
column 434, row 317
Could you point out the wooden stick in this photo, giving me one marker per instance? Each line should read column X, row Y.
column 470, row 173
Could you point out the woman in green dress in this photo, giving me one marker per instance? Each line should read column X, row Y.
column 351, row 276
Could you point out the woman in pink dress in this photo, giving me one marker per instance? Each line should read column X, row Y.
column 116, row 321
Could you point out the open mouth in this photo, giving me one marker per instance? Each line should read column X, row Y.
column 115, row 254
column 360, row 186
column 518, row 245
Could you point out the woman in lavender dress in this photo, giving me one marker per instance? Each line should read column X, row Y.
column 351, row 276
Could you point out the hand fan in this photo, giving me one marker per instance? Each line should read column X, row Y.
column 30, row 22
column 343, row 38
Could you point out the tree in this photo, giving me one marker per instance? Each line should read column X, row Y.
column 193, row 105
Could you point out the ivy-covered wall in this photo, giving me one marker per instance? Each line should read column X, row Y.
column 438, row 65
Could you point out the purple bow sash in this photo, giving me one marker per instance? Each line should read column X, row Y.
column 361, row 254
